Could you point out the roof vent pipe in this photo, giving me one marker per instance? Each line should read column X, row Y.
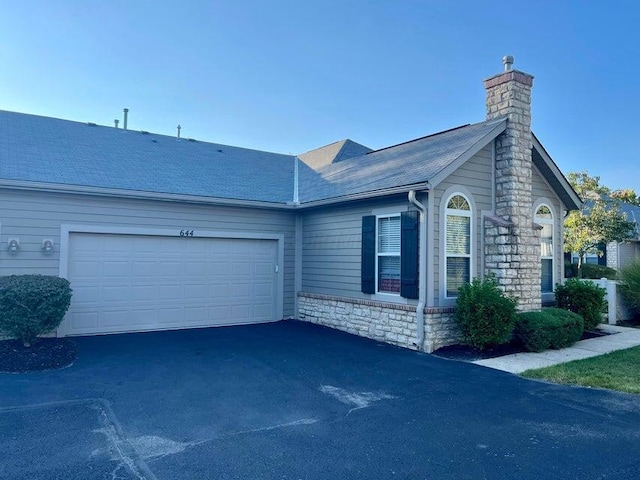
column 116, row 122
column 508, row 62
column 179, row 127
column 126, row 117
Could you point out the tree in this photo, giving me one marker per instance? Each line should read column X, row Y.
column 626, row 195
column 598, row 221
column 587, row 186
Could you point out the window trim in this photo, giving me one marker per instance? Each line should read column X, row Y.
column 554, row 236
column 462, row 213
column 378, row 254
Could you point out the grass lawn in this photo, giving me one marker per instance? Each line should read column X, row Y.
column 618, row 370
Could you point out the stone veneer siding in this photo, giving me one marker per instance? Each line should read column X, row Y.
column 386, row 322
column 512, row 253
column 612, row 255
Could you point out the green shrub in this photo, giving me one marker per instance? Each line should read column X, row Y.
column 32, row 305
column 570, row 270
column 630, row 284
column 549, row 328
column 589, row 270
column 595, row 271
column 485, row 315
column 584, row 298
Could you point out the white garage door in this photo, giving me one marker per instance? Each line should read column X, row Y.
column 131, row 283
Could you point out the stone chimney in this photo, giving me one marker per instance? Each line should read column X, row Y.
column 512, row 243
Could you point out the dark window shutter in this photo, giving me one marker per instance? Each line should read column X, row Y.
column 409, row 254
column 603, row 259
column 368, row 270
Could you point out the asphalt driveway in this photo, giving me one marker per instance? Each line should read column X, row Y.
column 296, row 401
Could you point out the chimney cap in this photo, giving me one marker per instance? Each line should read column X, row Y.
column 507, row 60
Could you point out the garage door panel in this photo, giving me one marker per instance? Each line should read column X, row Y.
column 120, row 293
column 116, row 269
column 84, row 268
column 144, row 292
column 136, row 283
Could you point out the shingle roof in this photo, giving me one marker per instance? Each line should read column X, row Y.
column 409, row 163
column 53, row 151
column 49, row 150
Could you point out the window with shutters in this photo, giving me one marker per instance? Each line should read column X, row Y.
column 390, row 251
column 458, row 234
column 544, row 217
column 388, row 254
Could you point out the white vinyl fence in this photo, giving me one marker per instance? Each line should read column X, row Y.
column 616, row 307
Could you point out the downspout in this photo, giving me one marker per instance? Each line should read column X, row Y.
column 422, row 274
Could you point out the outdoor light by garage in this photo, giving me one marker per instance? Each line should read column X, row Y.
column 13, row 245
column 47, row 246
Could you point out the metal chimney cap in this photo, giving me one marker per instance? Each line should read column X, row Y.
column 126, row 110
column 507, row 60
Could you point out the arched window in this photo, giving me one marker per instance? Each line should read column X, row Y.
column 544, row 217
column 457, row 243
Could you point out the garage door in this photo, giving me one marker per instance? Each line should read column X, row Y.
column 131, row 283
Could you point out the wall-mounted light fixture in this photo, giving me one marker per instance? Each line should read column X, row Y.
column 13, row 245
column 47, row 246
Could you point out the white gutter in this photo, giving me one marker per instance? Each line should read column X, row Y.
column 422, row 273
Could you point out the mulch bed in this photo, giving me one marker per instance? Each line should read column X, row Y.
column 469, row 354
column 44, row 354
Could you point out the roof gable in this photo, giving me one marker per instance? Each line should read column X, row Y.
column 332, row 153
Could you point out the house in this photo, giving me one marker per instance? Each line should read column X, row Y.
column 156, row 232
column 618, row 255
column 615, row 255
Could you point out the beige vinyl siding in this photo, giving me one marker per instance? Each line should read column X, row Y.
column 34, row 216
column 476, row 177
column 331, row 256
column 541, row 191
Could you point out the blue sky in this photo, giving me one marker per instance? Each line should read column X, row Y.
column 290, row 76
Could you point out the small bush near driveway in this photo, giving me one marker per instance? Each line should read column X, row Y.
column 32, row 305
column 485, row 314
column 584, row 298
column 549, row 328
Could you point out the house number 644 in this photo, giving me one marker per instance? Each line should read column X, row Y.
column 186, row 233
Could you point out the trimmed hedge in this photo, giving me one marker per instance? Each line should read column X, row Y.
column 485, row 314
column 32, row 305
column 550, row 328
column 589, row 270
column 596, row 272
column 584, row 298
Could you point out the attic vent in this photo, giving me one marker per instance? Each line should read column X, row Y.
column 91, row 124
column 220, row 150
column 144, row 132
column 192, row 139
column 154, row 141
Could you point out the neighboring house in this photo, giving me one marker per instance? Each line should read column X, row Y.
column 618, row 255
column 156, row 232
column 615, row 254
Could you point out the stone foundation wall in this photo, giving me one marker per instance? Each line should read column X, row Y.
column 382, row 321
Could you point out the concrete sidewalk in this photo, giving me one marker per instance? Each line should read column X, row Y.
column 620, row 338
